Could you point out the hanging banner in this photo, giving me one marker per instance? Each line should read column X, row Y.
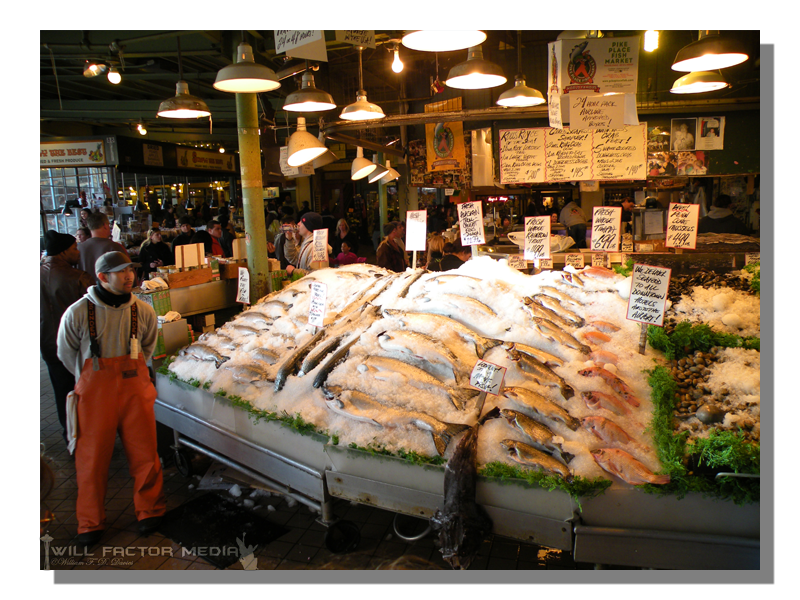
column 72, row 154
column 301, row 43
column 522, row 156
column 445, row 146
column 357, row 37
column 554, row 89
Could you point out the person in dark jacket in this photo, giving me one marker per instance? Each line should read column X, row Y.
column 288, row 227
column 154, row 253
column 457, row 256
column 390, row 255
column 185, row 236
column 720, row 219
column 203, row 237
column 60, row 285
column 343, row 234
column 435, row 253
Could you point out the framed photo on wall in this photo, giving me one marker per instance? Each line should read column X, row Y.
column 684, row 134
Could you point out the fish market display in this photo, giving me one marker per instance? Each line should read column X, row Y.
column 390, row 369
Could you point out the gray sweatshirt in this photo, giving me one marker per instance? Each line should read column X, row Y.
column 113, row 331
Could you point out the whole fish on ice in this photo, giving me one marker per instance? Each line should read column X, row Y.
column 541, row 406
column 250, row 373
column 616, row 384
column 532, row 458
column 543, row 374
column 609, row 432
column 626, row 467
column 554, row 305
column 204, row 352
column 540, row 435
column 553, row 332
column 600, row 400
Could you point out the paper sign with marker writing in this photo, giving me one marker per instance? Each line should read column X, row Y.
column 537, row 237
column 243, row 291
column 316, row 307
column 682, row 225
column 470, row 219
column 521, row 155
column 752, row 258
column 487, row 377
column 574, row 260
column 605, row 228
column 544, row 263
column 648, row 299
column 599, row 259
column 301, row 43
column 597, row 112
column 319, row 249
column 517, row 261
column 416, row 230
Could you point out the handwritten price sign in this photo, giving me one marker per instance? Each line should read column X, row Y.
column 243, row 291
column 316, row 308
column 487, row 377
column 648, row 298
column 682, row 225
column 470, row 218
column 537, row 237
column 319, row 250
column 605, row 228
column 416, row 229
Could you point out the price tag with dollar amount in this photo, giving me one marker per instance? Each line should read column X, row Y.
column 752, row 258
column 574, row 260
column 243, row 291
column 605, row 228
column 319, row 250
column 682, row 222
column 517, row 261
column 316, row 307
column 470, row 219
column 487, row 377
column 537, row 237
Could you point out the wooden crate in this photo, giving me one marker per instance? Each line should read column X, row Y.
column 187, row 278
column 230, row 270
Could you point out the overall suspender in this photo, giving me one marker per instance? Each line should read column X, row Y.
column 94, row 345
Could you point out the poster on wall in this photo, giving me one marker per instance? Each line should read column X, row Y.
column 710, row 133
column 683, row 134
column 445, row 146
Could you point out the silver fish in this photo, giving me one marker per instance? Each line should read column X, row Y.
column 543, row 374
column 334, row 359
column 423, row 348
column 289, row 365
column 253, row 318
column 250, row 373
column 553, row 332
column 541, row 436
column 560, row 296
column 204, row 352
column 268, row 356
column 244, row 329
column 315, row 356
column 572, row 279
column 360, row 406
column 541, row 406
column 463, row 309
column 529, row 456
column 544, row 357
column 536, row 310
column 573, row 318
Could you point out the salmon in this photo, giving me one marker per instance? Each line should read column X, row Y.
column 604, row 326
column 599, row 400
column 595, row 337
column 600, row 273
column 604, row 356
column 614, row 382
column 608, row 432
column 626, row 467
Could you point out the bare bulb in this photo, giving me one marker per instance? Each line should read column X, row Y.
column 397, row 64
column 114, row 76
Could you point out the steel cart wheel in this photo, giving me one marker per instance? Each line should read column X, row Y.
column 342, row 537
column 183, row 463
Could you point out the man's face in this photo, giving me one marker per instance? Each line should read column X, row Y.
column 303, row 230
column 72, row 255
column 80, row 236
column 118, row 282
column 216, row 230
column 185, row 228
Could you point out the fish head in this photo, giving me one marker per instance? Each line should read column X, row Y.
column 599, row 455
column 508, row 415
column 509, row 446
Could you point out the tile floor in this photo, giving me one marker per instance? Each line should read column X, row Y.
column 302, row 547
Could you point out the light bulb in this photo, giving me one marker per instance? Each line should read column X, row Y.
column 114, row 76
column 141, row 129
column 650, row 40
column 397, row 64
column 222, row 150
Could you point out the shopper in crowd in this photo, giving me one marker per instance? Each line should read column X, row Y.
column 98, row 244
column 60, row 285
column 85, row 212
column 204, row 237
column 185, row 236
column 343, row 234
column 105, row 339
column 299, row 252
column 168, row 217
column 82, row 234
column 82, row 201
column 228, row 235
column 720, row 218
column 390, row 254
column 574, row 219
column 214, row 229
column 627, row 214
column 346, row 256
column 154, row 253
column 288, row 229
column 456, row 255
column 435, row 252
column 303, row 210
column 273, row 224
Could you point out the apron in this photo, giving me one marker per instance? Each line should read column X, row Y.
column 116, row 395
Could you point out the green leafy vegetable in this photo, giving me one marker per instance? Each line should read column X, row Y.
column 686, row 338
column 755, row 282
column 625, row 270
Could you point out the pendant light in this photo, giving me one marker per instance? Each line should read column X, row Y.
column 361, row 110
column 361, row 166
column 113, row 76
column 475, row 73
column 699, row 82
column 308, row 98
column 391, row 175
column 183, row 105
column 93, row 69
column 709, row 53
column 520, row 94
column 397, row 64
column 442, row 41
column 246, row 76
column 303, row 147
column 379, row 172
column 326, row 158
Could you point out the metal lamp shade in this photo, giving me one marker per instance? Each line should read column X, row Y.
column 699, row 82
column 379, row 171
column 308, row 98
column 475, row 73
column 361, row 166
column 361, row 110
column 521, row 95
column 708, row 53
column 303, row 147
column 391, row 174
column 183, row 105
column 246, row 76
column 442, row 41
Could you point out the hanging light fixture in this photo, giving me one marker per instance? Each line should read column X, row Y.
column 326, row 158
column 520, row 94
column 183, row 105
column 397, row 64
column 308, row 98
column 93, row 69
column 246, row 76
column 361, row 110
column 475, row 73
column 303, row 147
column 650, row 40
column 442, row 41
column 709, row 53
column 361, row 166
column 114, row 76
column 391, row 174
column 141, row 128
column 379, row 172
column 699, row 82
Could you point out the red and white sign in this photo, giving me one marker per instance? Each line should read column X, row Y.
column 72, row 154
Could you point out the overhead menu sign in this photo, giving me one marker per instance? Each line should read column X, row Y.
column 90, row 153
column 568, row 155
column 620, row 153
column 522, row 156
column 192, row 158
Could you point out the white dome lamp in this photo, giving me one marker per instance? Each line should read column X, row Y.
column 699, row 82
column 379, row 171
column 520, row 95
column 246, row 76
column 391, row 174
column 183, row 105
column 308, row 98
column 361, row 109
column 303, row 147
column 442, row 41
column 361, row 167
column 475, row 73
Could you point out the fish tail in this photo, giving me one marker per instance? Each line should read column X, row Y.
column 567, row 457
column 660, row 479
column 483, row 345
column 442, row 440
column 573, row 423
column 567, row 391
column 492, row 414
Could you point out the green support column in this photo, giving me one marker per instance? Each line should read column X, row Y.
column 252, row 196
column 382, row 199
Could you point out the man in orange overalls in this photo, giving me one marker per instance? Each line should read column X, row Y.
column 105, row 339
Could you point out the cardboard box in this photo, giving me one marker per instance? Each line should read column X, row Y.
column 191, row 277
column 190, row 255
column 160, row 300
column 172, row 337
column 239, row 248
column 230, row 269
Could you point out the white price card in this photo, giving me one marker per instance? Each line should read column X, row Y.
column 416, row 230
column 243, row 291
column 470, row 218
column 600, row 259
column 537, row 237
column 605, row 228
column 682, row 222
column 752, row 258
column 487, row 377
column 319, row 250
column 574, row 260
column 648, row 298
column 316, row 307
column 544, row 263
column 517, row 261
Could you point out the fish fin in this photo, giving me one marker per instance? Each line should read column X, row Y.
column 660, row 479
column 492, row 414
column 567, row 457
column 567, row 391
column 442, row 440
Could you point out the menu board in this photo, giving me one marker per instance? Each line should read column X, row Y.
column 522, row 155
column 546, row 154
column 568, row 155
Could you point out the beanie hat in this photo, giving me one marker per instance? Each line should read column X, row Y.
column 56, row 243
column 312, row 221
